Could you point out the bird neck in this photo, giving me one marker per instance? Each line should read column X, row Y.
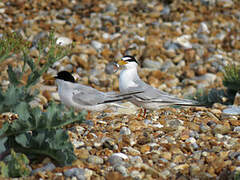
column 64, row 87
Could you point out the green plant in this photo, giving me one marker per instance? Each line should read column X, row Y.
column 232, row 78
column 35, row 133
column 48, row 50
column 231, row 81
column 212, row 96
column 38, row 133
column 19, row 92
column 11, row 43
column 236, row 175
column 15, row 165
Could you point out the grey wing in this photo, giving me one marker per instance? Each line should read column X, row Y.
column 111, row 97
column 85, row 95
column 152, row 94
column 113, row 94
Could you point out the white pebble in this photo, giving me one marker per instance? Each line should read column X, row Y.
column 63, row 41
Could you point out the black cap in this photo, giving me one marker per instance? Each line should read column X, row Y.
column 129, row 58
column 66, row 76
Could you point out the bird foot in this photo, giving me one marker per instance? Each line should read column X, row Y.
column 140, row 116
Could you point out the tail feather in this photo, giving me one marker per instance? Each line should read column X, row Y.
column 181, row 102
column 115, row 100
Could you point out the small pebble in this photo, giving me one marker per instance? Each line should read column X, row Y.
column 123, row 170
column 63, row 41
column 79, row 173
column 47, row 167
column 125, row 131
column 95, row 160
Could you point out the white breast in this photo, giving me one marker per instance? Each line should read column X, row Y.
column 126, row 80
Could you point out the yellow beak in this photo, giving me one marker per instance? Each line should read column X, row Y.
column 48, row 77
column 121, row 62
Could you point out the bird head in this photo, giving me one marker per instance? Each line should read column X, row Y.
column 128, row 62
column 66, row 76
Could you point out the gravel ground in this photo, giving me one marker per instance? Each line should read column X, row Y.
column 182, row 46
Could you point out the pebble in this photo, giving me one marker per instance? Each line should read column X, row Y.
column 221, row 129
column 204, row 128
column 236, row 129
column 47, row 167
column 181, row 167
column 166, row 10
column 166, row 65
column 108, row 143
column 38, row 37
column 79, row 129
column 79, row 173
column 159, row 126
column 184, row 41
column 170, row 46
column 135, row 159
column 132, row 151
column 191, row 140
column 147, row 63
column 165, row 174
column 195, row 146
column 194, row 134
column 125, row 131
column 2, row 10
column 195, row 170
column 121, row 155
column 203, row 28
column 115, row 160
column 175, row 124
column 111, row 68
column 211, row 124
column 232, row 110
column 226, row 3
column 95, row 160
column 181, row 64
column 83, row 154
column 122, row 169
column 234, row 155
column 77, row 144
column 136, row 175
column 209, row 77
column 97, row 45
column 63, row 41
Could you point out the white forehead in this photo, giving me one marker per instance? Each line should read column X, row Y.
column 126, row 58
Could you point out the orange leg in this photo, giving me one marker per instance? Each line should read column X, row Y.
column 88, row 115
column 140, row 113
column 144, row 113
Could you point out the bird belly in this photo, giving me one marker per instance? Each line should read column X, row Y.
column 99, row 107
column 147, row 105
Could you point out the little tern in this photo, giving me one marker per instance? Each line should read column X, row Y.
column 151, row 98
column 82, row 97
